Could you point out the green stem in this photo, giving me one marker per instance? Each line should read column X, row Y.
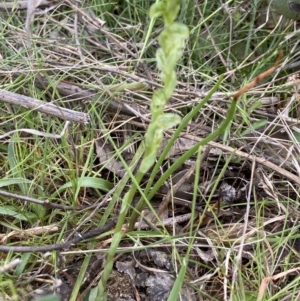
column 126, row 202
column 125, row 205
column 193, row 150
column 180, row 161
column 141, row 203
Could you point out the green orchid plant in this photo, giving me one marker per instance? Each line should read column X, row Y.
column 171, row 40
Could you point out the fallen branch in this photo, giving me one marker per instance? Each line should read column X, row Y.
column 75, row 91
column 44, row 107
column 61, row 246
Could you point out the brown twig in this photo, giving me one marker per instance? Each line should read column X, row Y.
column 32, row 231
column 44, row 107
column 258, row 78
column 61, row 246
column 76, row 91
column 266, row 280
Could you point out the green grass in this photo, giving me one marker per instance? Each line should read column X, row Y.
column 116, row 63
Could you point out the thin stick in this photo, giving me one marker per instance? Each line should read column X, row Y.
column 44, row 107
column 60, row 246
column 258, row 78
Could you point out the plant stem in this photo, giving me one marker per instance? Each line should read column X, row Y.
column 117, row 237
column 141, row 203
column 181, row 160
column 193, row 150
column 118, row 234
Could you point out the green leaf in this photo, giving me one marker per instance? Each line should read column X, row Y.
column 160, row 59
column 50, row 298
column 96, row 183
column 173, row 37
column 255, row 106
column 168, row 9
column 6, row 211
column 14, row 166
column 170, row 83
column 38, row 209
column 178, row 282
column 156, row 10
column 256, row 125
column 172, row 11
column 21, row 266
column 296, row 135
column 157, row 104
column 148, row 160
column 93, row 294
column 14, row 181
column 248, row 296
column 168, row 120
column 91, row 182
